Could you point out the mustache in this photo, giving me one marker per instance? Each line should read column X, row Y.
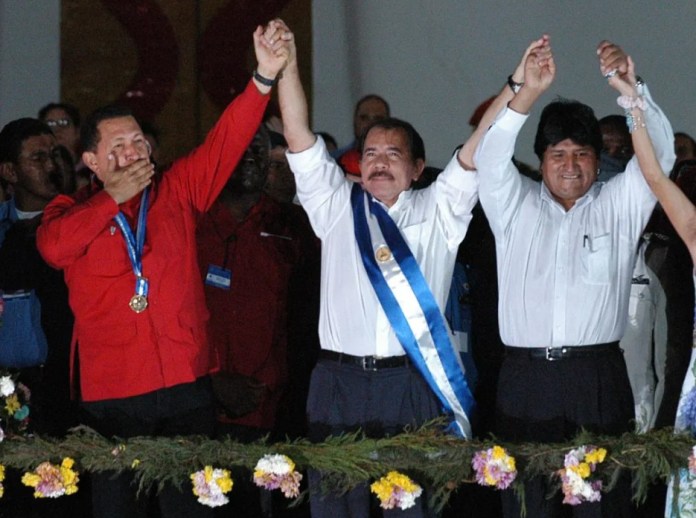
column 376, row 174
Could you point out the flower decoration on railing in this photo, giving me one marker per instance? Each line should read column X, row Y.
column 579, row 484
column 494, row 467
column 396, row 490
column 278, row 472
column 14, row 405
column 51, row 481
column 210, row 486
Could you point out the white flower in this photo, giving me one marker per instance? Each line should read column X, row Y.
column 276, row 464
column 2, row 434
column 7, row 386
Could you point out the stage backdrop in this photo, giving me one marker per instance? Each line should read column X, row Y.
column 177, row 63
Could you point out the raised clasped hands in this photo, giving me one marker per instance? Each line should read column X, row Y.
column 539, row 66
column 272, row 45
column 541, row 48
column 617, row 67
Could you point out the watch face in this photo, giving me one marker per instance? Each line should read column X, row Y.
column 515, row 87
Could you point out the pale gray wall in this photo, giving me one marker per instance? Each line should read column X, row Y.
column 436, row 60
column 29, row 56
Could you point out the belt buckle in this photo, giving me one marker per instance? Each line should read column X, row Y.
column 369, row 363
column 554, row 353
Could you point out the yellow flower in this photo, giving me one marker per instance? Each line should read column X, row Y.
column 31, row 479
column 12, row 404
column 490, row 479
column 225, row 482
column 208, row 474
column 2, row 472
column 582, row 469
column 135, row 463
column 69, row 476
column 401, row 480
column 498, row 453
column 596, row 456
column 382, row 489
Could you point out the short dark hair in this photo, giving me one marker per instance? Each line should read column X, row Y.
column 688, row 137
column 413, row 139
column 89, row 131
column 371, row 97
column 13, row 135
column 565, row 119
column 68, row 108
column 615, row 122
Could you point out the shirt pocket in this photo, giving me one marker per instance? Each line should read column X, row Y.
column 597, row 258
column 413, row 234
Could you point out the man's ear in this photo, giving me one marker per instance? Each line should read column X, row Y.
column 420, row 166
column 8, row 172
column 90, row 160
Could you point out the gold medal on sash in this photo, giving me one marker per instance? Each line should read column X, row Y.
column 138, row 303
column 383, row 254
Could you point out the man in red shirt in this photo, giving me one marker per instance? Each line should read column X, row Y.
column 259, row 260
column 127, row 247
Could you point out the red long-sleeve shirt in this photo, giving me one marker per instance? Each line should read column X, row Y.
column 123, row 353
column 249, row 322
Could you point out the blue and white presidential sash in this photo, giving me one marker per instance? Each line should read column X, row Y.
column 411, row 308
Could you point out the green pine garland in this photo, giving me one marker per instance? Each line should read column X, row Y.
column 437, row 461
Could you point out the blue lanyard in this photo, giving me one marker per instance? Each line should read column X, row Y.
column 135, row 244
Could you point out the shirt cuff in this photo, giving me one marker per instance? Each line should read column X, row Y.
column 309, row 158
column 510, row 120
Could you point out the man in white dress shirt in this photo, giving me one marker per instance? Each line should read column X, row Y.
column 566, row 249
column 365, row 378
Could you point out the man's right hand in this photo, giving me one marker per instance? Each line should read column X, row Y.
column 125, row 183
column 539, row 73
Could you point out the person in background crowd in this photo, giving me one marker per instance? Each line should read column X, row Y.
column 368, row 110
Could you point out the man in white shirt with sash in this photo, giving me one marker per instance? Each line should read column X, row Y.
column 387, row 259
column 566, row 250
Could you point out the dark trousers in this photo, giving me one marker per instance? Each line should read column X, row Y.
column 345, row 398
column 550, row 401
column 185, row 409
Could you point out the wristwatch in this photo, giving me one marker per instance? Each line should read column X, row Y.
column 639, row 84
column 515, row 87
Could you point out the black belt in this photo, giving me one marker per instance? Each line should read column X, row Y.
column 366, row 363
column 564, row 352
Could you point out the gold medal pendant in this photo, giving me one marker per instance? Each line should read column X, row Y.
column 383, row 254
column 138, row 303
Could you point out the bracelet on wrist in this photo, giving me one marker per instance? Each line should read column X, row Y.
column 628, row 102
column 266, row 81
column 634, row 121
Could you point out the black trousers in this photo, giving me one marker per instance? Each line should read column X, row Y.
column 185, row 409
column 344, row 398
column 550, row 401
